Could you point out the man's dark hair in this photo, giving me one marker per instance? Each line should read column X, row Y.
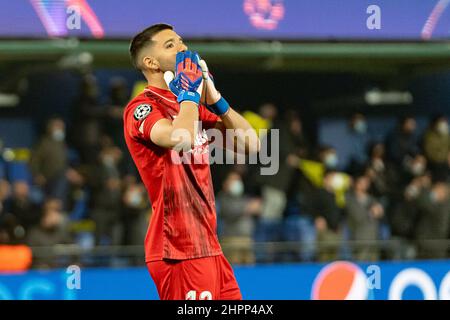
column 143, row 39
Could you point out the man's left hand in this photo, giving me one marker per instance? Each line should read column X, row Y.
column 211, row 97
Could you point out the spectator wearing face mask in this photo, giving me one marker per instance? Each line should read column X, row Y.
column 405, row 215
column 414, row 165
column 363, row 215
column 136, row 211
column 329, row 158
column 436, row 145
column 433, row 222
column 51, row 231
column 305, row 214
column 107, row 196
column 358, row 138
column 381, row 173
column 328, row 218
column 237, row 213
column 49, row 161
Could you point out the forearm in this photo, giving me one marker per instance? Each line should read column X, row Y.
column 184, row 126
column 240, row 131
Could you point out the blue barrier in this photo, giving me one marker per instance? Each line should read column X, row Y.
column 338, row 280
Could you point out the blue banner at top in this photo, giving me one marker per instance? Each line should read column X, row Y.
column 230, row 19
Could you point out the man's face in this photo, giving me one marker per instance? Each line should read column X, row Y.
column 362, row 184
column 166, row 45
column 409, row 126
column 20, row 189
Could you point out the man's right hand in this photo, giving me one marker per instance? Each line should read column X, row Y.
column 187, row 83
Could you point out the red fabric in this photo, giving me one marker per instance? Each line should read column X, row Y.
column 183, row 223
column 203, row 279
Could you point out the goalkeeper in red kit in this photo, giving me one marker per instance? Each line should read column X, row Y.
column 166, row 122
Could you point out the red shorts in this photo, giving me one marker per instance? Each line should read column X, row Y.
column 209, row 278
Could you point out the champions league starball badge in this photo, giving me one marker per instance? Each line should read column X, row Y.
column 142, row 111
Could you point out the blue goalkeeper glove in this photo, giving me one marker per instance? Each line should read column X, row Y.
column 187, row 83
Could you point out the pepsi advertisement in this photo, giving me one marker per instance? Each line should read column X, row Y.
column 251, row 19
column 339, row 280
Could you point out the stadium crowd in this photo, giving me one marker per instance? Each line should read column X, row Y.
column 391, row 201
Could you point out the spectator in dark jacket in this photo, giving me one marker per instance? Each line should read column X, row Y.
column 363, row 215
column 51, row 231
column 404, row 219
column 328, row 219
column 237, row 213
column 107, row 197
column 402, row 140
column 87, row 126
column 436, row 145
column 383, row 176
column 433, row 222
column 22, row 208
column 49, row 161
column 136, row 211
column 359, row 139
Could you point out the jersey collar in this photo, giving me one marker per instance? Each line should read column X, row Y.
column 167, row 95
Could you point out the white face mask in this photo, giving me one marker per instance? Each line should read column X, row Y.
column 442, row 128
column 58, row 135
column 135, row 199
column 108, row 161
column 378, row 165
column 412, row 191
column 417, row 168
column 237, row 188
column 331, row 161
column 360, row 126
column 337, row 182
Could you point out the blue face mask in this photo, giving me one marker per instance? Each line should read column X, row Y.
column 58, row 135
column 135, row 199
column 237, row 188
column 331, row 161
column 360, row 126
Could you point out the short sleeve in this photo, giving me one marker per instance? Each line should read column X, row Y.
column 140, row 119
column 207, row 118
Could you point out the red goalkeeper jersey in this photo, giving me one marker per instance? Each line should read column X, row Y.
column 183, row 224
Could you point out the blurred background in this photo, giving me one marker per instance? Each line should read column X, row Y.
column 358, row 91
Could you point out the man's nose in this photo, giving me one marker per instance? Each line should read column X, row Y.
column 182, row 48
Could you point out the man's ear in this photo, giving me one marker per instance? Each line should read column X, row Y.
column 150, row 63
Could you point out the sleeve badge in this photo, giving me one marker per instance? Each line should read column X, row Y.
column 142, row 111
